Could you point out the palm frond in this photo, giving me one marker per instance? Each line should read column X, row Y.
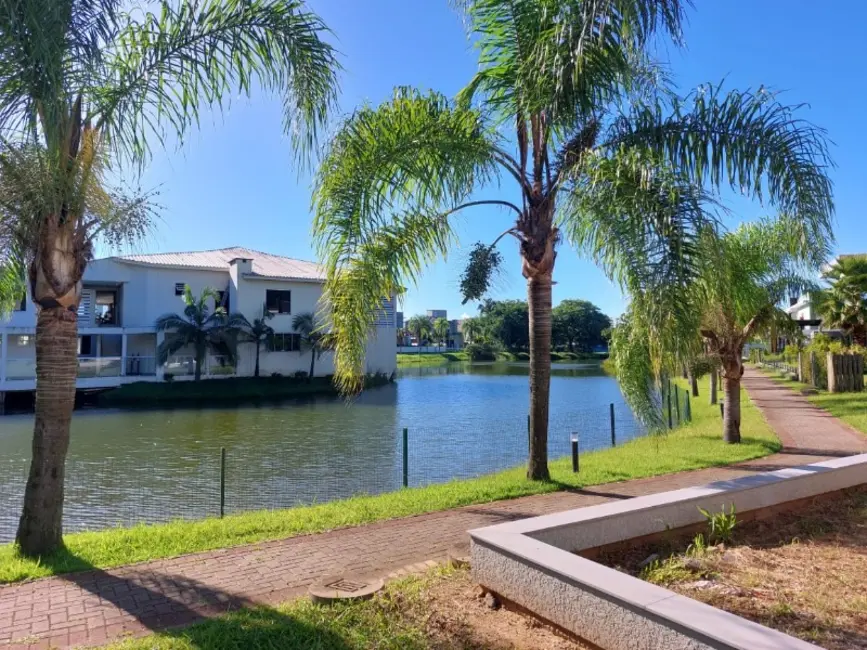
column 162, row 69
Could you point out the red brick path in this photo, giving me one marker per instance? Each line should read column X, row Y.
column 96, row 606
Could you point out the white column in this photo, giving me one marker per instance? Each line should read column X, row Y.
column 160, row 370
column 4, row 345
column 123, row 355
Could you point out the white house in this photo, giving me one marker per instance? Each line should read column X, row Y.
column 123, row 297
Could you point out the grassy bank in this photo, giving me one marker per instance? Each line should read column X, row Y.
column 221, row 391
column 439, row 358
column 694, row 446
column 849, row 407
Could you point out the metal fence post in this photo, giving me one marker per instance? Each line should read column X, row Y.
column 406, row 457
column 670, row 422
column 613, row 434
column 677, row 404
column 575, row 452
column 222, row 481
column 688, row 408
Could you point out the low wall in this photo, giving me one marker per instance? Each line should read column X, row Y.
column 533, row 563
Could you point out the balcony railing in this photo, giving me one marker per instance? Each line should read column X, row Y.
column 20, row 369
column 89, row 367
column 185, row 366
column 141, row 366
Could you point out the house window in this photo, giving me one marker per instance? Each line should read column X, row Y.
column 106, row 308
column 179, row 289
column 289, row 342
column 278, row 302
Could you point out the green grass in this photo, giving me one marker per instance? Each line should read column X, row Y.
column 439, row 358
column 694, row 446
column 233, row 389
column 393, row 620
column 849, row 407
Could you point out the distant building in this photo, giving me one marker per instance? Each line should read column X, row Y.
column 456, row 336
column 398, row 320
column 433, row 314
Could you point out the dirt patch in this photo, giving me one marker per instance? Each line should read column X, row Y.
column 803, row 573
column 457, row 616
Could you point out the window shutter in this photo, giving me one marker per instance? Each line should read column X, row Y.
column 85, row 306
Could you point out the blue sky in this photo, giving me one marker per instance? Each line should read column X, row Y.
column 233, row 182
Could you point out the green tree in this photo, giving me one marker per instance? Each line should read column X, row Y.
column 82, row 82
column 507, row 321
column 313, row 338
column 742, row 278
column 257, row 332
column 471, row 328
column 598, row 147
column 843, row 305
column 441, row 331
column 201, row 327
column 420, row 327
column 579, row 324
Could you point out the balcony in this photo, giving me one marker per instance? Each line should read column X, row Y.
column 185, row 366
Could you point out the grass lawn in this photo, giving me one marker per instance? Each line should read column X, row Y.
column 849, row 407
column 436, row 610
column 694, row 446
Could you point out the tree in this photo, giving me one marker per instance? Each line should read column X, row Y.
column 82, row 83
column 441, row 331
column 420, row 327
column 742, row 277
column 843, row 305
column 257, row 332
column 471, row 329
column 201, row 327
column 579, row 324
column 507, row 321
column 313, row 338
column 602, row 148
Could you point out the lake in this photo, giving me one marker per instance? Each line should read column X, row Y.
column 462, row 420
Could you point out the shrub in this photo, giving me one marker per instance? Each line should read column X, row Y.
column 300, row 374
column 481, row 352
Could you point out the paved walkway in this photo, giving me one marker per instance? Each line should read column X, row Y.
column 96, row 606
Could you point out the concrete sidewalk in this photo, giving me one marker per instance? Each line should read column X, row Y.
column 96, row 606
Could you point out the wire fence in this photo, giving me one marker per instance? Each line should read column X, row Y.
column 123, row 491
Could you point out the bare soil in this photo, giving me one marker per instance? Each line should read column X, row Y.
column 803, row 573
column 457, row 616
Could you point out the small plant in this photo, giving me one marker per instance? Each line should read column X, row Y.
column 698, row 546
column 721, row 524
column 168, row 376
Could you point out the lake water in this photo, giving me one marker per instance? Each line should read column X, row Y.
column 462, row 420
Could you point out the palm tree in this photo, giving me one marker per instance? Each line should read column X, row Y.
column 742, row 278
column 202, row 328
column 420, row 327
column 441, row 331
column 844, row 304
column 596, row 131
column 312, row 337
column 471, row 329
column 257, row 332
column 85, row 82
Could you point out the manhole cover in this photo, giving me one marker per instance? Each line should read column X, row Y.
column 344, row 588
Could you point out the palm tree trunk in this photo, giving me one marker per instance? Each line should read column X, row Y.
column 732, row 409
column 256, row 369
column 312, row 362
column 539, row 299
column 693, row 381
column 200, row 359
column 40, row 530
column 713, row 384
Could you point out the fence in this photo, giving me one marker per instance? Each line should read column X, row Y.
column 198, row 483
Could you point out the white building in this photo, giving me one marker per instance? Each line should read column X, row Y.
column 123, row 296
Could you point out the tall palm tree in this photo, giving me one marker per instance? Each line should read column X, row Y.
column 420, row 327
column 594, row 130
column 441, row 331
column 313, row 338
column 843, row 305
column 82, row 82
column 257, row 332
column 200, row 327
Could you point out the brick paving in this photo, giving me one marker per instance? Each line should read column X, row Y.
column 93, row 607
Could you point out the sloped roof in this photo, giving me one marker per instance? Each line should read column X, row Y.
column 265, row 265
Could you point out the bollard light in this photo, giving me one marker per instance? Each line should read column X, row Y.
column 575, row 452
